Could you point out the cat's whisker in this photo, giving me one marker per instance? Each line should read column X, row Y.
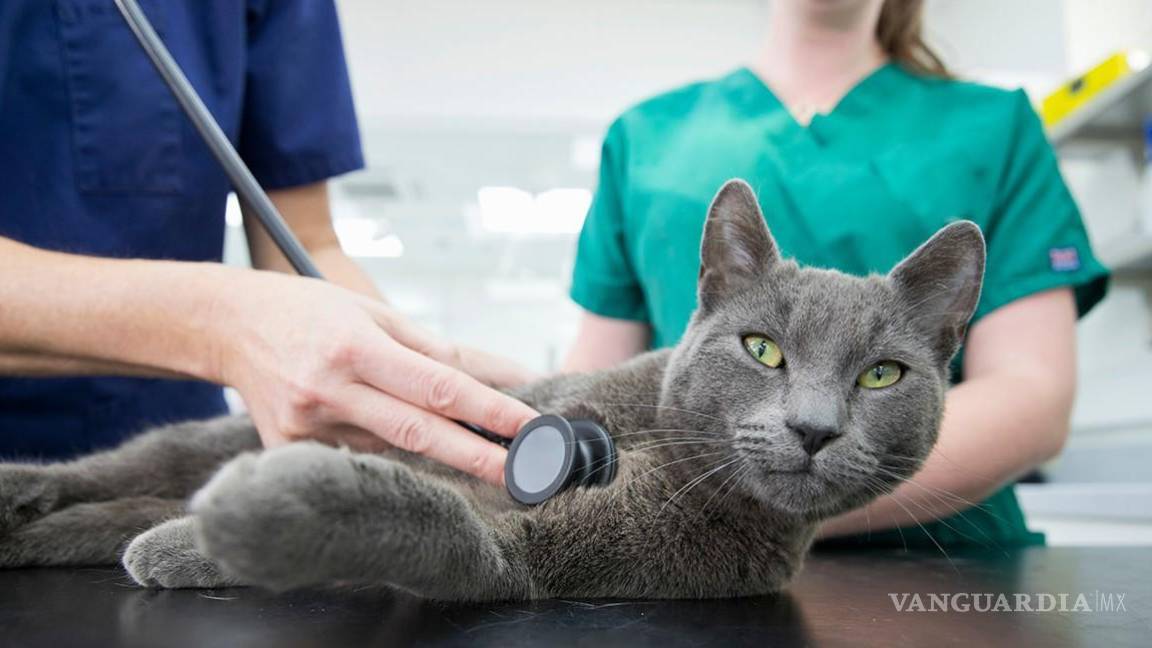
column 876, row 492
column 667, row 407
column 742, row 474
column 640, row 444
column 735, row 474
column 609, row 461
column 879, row 490
column 991, row 542
column 645, row 443
column 680, row 443
column 676, row 461
column 742, row 480
column 939, row 499
column 692, row 484
column 928, row 533
column 605, row 463
column 911, row 480
column 957, row 513
column 662, row 442
column 941, row 493
column 617, row 437
column 937, row 452
column 662, row 430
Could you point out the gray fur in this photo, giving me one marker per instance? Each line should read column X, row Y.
column 715, row 495
column 166, row 556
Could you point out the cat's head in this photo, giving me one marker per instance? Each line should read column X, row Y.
column 831, row 387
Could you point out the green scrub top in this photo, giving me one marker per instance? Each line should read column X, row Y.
column 858, row 189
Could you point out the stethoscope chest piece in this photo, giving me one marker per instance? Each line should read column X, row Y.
column 552, row 453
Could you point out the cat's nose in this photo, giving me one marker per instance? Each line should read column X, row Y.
column 814, row 437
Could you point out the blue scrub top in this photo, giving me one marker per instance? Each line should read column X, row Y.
column 97, row 158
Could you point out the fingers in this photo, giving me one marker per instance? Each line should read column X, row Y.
column 493, row 370
column 348, row 436
column 418, row 430
column 418, row 380
column 335, row 435
column 485, row 367
column 412, row 336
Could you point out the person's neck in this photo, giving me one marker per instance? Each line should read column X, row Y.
column 812, row 59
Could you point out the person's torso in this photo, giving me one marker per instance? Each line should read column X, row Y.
column 97, row 158
column 856, row 190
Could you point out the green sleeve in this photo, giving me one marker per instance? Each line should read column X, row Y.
column 1036, row 239
column 604, row 280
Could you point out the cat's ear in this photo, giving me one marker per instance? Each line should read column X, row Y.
column 737, row 248
column 940, row 284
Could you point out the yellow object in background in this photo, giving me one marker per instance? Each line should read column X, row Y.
column 1080, row 90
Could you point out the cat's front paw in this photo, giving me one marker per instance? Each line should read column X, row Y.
column 27, row 493
column 166, row 556
column 265, row 517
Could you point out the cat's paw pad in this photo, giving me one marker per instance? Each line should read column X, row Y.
column 264, row 517
column 166, row 557
column 26, row 495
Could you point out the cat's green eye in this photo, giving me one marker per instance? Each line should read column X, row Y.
column 880, row 375
column 764, row 350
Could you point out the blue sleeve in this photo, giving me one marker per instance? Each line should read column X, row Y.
column 298, row 124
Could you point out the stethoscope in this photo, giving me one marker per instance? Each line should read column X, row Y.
column 548, row 455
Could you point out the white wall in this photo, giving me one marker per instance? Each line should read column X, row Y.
column 1095, row 28
column 536, row 61
column 1004, row 42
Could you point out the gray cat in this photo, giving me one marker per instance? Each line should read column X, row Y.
column 795, row 394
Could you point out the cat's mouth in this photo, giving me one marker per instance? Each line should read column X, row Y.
column 806, row 470
column 793, row 485
column 771, row 459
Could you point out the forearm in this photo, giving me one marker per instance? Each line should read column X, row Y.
column 343, row 271
column 307, row 211
column 332, row 262
column 603, row 342
column 995, row 429
column 44, row 365
column 63, row 313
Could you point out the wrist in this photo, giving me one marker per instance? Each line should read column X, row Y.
column 220, row 324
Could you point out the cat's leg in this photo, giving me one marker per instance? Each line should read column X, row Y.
column 166, row 556
column 169, row 462
column 625, row 541
column 308, row 514
column 84, row 534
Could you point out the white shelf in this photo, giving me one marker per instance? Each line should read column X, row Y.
column 1116, row 501
column 1116, row 114
column 1114, row 117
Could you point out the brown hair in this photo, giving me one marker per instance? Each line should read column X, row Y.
column 900, row 33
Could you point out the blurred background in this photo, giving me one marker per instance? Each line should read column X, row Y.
column 482, row 124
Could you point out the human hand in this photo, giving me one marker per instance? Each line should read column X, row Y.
column 316, row 361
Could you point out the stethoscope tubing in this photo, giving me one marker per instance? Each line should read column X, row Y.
column 257, row 200
column 249, row 191
column 245, row 184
